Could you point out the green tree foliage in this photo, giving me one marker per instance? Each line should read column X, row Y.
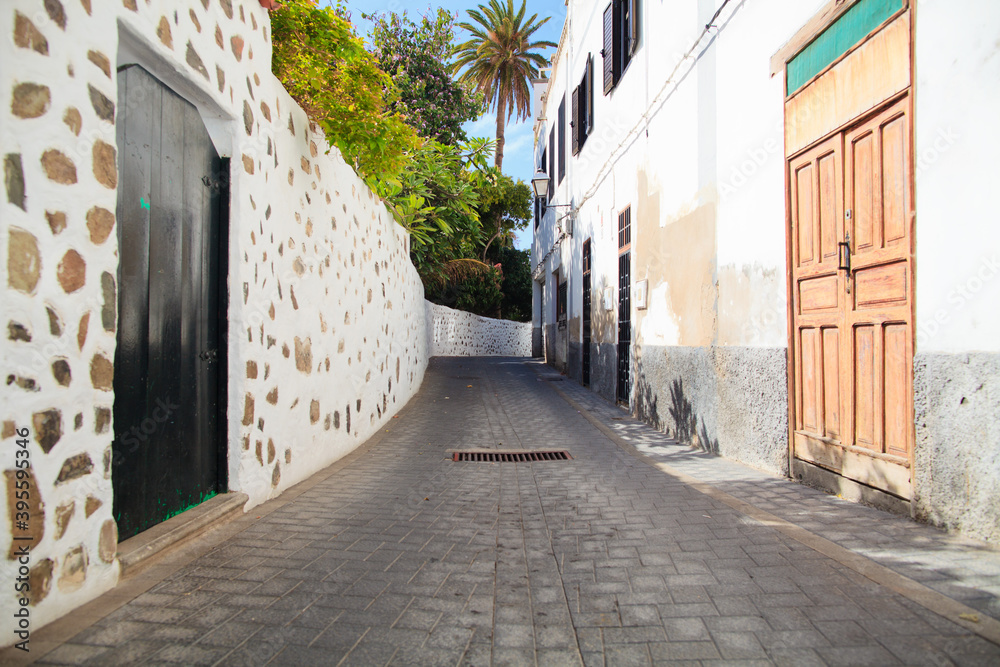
column 516, row 285
column 504, row 208
column 500, row 60
column 416, row 56
column 326, row 69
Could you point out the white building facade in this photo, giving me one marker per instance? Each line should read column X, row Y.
column 766, row 234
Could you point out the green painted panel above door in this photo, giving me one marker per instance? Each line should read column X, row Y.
column 853, row 26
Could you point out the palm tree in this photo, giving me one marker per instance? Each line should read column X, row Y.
column 501, row 59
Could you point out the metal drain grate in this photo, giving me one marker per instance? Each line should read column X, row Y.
column 510, row 457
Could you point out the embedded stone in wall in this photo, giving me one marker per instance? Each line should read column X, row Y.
column 103, row 107
column 314, row 411
column 35, row 508
column 18, row 332
column 56, row 12
column 30, row 100
column 48, row 428
column 163, row 33
column 72, row 271
column 248, row 164
column 248, row 410
column 40, row 581
column 58, row 167
column 105, row 170
column 227, row 7
column 102, row 420
column 74, row 570
column 130, row 5
column 109, row 311
column 303, row 355
column 276, row 475
column 73, row 120
column 252, row 370
column 55, row 325
column 102, row 61
column 272, row 396
column 64, row 513
column 270, row 451
column 93, row 504
column 236, row 42
column 107, row 546
column 61, row 372
column 194, row 60
column 100, row 222
column 220, row 76
column 27, row 36
column 194, row 20
column 81, row 331
column 102, row 372
column 57, row 221
column 247, row 118
column 13, row 178
column 75, row 467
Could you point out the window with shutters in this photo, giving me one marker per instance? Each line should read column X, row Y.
column 562, row 139
column 551, row 150
column 582, row 111
column 621, row 39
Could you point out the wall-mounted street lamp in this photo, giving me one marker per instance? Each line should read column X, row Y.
column 540, row 184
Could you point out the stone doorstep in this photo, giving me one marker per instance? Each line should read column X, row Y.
column 142, row 550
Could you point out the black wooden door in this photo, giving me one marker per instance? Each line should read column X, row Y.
column 586, row 312
column 169, row 386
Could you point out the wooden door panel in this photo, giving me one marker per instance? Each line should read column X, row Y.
column 881, row 285
column 897, row 389
column 894, row 179
column 805, row 218
column 829, row 207
column 809, row 380
column 863, row 205
column 831, row 382
column 864, row 386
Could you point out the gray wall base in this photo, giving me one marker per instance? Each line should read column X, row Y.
column 848, row 489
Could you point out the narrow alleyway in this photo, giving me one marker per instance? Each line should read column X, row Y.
column 397, row 555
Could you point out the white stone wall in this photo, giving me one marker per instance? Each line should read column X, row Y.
column 456, row 333
column 326, row 312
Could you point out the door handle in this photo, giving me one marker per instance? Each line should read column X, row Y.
column 844, row 259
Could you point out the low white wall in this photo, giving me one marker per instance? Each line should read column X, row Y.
column 456, row 333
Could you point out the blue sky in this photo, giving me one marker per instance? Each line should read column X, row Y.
column 517, row 159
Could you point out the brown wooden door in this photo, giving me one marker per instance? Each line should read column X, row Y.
column 852, row 302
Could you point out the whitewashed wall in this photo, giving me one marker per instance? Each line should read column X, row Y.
column 456, row 333
column 327, row 331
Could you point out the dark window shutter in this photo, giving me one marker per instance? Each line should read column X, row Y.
column 562, row 139
column 575, row 120
column 589, row 103
column 552, row 162
column 608, row 52
column 633, row 26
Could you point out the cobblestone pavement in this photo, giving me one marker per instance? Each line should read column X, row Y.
column 404, row 557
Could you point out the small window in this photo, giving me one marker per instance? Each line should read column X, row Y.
column 582, row 112
column 621, row 39
column 561, row 301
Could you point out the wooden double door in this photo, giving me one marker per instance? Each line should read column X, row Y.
column 852, row 301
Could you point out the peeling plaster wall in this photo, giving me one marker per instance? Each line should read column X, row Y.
column 456, row 333
column 327, row 334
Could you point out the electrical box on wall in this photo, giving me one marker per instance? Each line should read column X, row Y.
column 639, row 294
